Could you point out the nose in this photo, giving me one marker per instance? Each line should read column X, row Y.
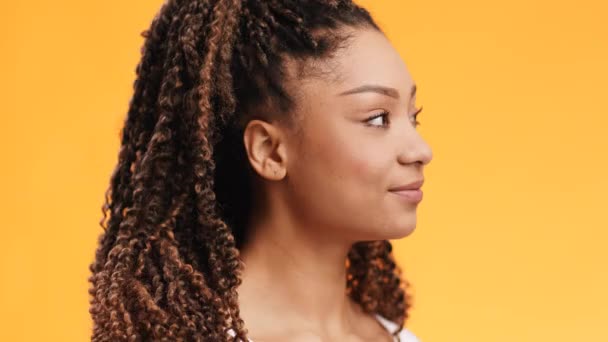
column 414, row 149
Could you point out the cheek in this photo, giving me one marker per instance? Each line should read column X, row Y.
column 367, row 165
column 347, row 173
column 359, row 164
column 338, row 169
column 351, row 183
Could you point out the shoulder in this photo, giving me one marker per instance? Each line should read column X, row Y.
column 405, row 335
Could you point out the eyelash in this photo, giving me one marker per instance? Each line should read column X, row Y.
column 385, row 113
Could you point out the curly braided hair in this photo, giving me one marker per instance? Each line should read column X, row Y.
column 167, row 264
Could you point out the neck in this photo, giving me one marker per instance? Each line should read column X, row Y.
column 294, row 276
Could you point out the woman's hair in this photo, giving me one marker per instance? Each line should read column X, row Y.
column 167, row 266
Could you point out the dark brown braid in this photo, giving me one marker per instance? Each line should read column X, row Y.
column 167, row 265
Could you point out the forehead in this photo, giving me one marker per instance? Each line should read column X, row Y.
column 367, row 58
column 370, row 58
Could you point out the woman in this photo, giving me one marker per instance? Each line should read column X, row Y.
column 269, row 153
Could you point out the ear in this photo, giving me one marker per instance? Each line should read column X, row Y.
column 266, row 150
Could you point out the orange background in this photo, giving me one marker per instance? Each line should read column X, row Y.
column 512, row 234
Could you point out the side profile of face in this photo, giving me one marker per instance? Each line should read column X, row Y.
column 356, row 140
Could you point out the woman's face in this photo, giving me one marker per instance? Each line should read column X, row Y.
column 345, row 160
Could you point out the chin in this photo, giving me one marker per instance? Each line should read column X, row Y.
column 393, row 232
column 401, row 232
column 402, row 228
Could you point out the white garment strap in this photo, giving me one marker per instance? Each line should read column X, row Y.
column 404, row 335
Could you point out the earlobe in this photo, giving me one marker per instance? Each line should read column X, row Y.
column 264, row 144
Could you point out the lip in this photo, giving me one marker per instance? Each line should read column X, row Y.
column 410, row 192
column 410, row 195
column 411, row 186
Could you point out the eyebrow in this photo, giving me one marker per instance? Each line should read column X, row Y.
column 392, row 92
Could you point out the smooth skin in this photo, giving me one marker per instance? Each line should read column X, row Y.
column 324, row 185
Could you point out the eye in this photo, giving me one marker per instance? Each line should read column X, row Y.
column 415, row 116
column 376, row 120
